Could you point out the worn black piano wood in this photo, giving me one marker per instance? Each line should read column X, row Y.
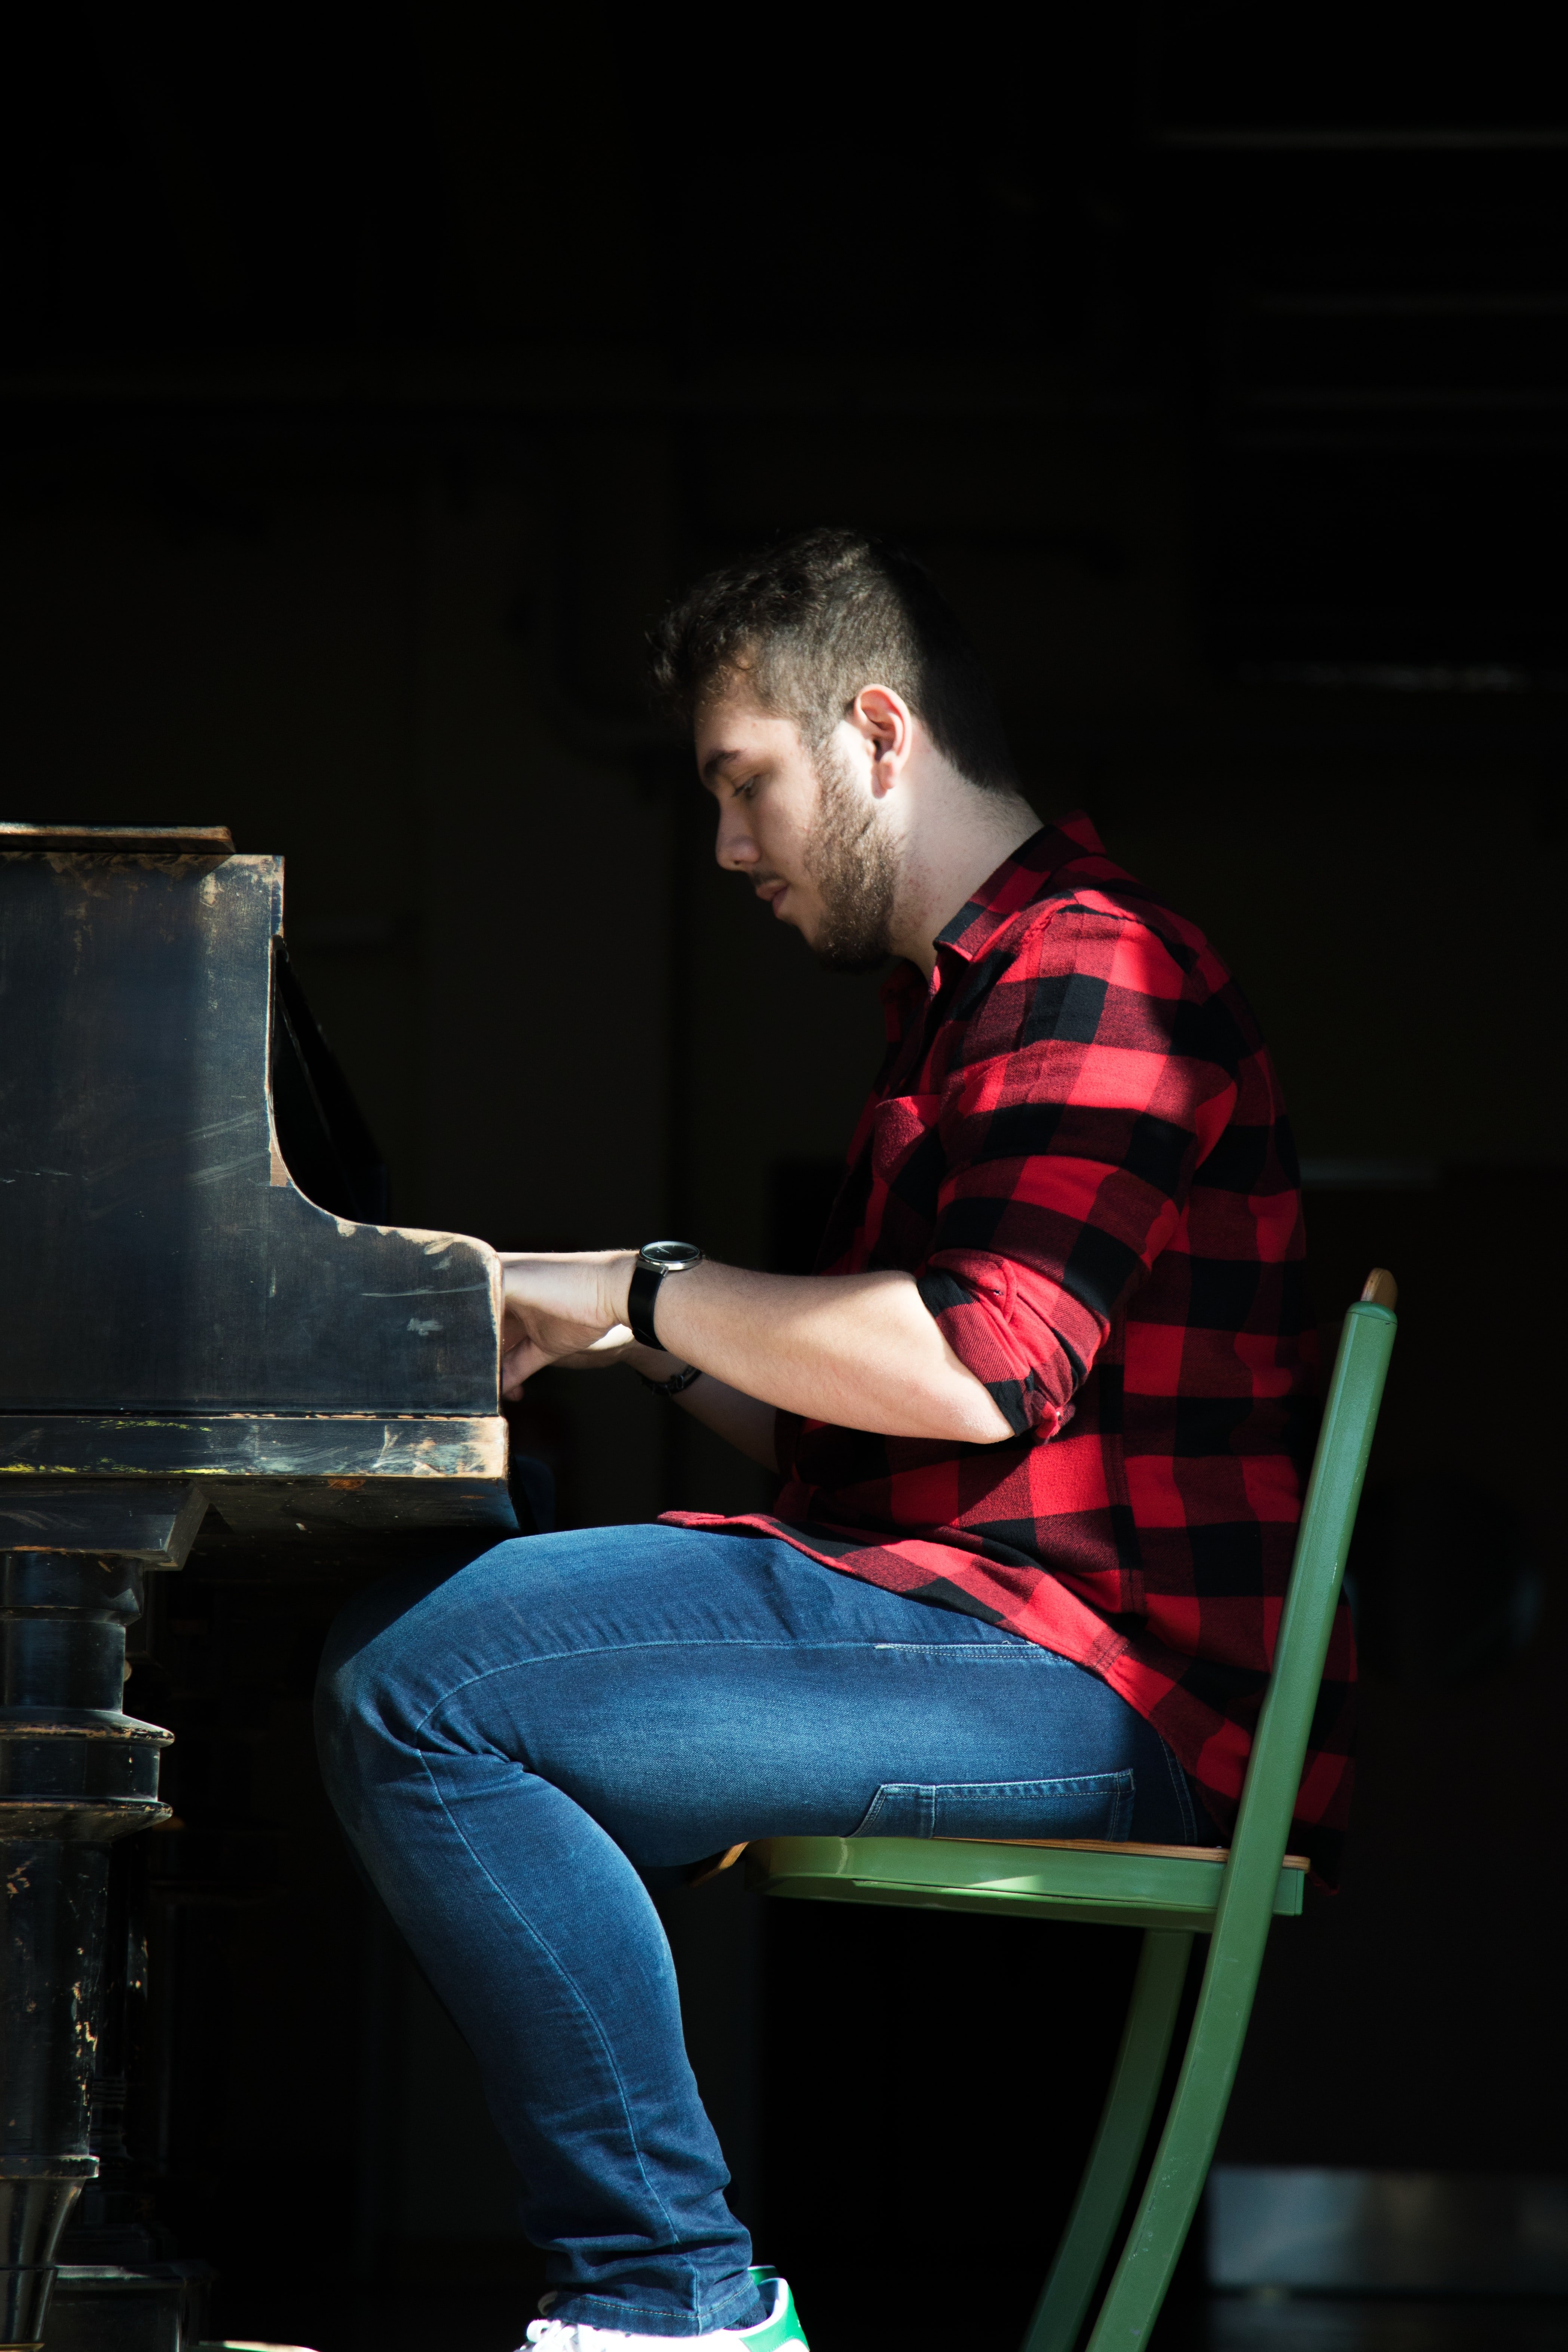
column 214, row 1336
column 156, row 1251
column 285, row 1472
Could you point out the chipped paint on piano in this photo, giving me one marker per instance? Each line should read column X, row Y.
column 200, row 1281
column 286, row 1474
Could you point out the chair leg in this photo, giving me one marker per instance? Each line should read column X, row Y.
column 1182, row 2160
column 1118, row 2144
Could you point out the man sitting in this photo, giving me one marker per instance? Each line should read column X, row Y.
column 1039, row 1418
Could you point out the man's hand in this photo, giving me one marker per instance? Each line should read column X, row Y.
column 562, row 1307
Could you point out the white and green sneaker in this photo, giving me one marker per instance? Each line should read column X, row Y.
column 780, row 2330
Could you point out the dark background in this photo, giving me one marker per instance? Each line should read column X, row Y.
column 370, row 377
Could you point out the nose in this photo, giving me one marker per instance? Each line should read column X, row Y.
column 734, row 846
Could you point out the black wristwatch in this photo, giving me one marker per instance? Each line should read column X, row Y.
column 655, row 1260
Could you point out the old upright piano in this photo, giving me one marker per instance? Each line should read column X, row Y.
column 214, row 1341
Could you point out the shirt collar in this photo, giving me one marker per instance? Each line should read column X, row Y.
column 1028, row 875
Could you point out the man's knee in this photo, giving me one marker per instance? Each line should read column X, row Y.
column 359, row 1687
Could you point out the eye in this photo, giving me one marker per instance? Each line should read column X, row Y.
column 748, row 790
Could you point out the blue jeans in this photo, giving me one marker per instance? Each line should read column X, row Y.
column 511, row 1748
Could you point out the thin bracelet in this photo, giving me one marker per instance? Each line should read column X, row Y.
column 675, row 1384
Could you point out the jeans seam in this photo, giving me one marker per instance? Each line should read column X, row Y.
column 609, row 1649
column 1183, row 1795
column 584, row 2006
column 650, row 2310
column 622, row 2309
column 1027, row 1653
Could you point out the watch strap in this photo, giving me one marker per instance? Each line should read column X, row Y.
column 640, row 1298
column 654, row 1261
column 678, row 1383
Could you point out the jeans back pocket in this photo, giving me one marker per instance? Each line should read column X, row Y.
column 1080, row 1805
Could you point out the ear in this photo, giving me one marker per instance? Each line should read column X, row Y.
column 887, row 724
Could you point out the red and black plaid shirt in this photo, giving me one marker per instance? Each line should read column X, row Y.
column 1078, row 1147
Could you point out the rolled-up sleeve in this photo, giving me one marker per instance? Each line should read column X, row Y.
column 1090, row 1085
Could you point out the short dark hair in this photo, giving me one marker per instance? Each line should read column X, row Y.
column 810, row 621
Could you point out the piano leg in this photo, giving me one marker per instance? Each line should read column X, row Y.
column 74, row 1774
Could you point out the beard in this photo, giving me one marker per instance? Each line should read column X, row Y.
column 852, row 862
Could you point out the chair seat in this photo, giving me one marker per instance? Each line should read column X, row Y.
column 1130, row 1886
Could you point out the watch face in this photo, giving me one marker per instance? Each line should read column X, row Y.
column 670, row 1257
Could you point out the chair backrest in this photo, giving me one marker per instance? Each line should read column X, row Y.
column 1327, row 1521
column 1244, row 1911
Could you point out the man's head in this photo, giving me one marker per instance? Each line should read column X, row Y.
column 834, row 699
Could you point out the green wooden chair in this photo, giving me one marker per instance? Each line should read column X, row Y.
column 1172, row 1893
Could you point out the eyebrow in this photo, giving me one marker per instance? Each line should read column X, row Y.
column 714, row 761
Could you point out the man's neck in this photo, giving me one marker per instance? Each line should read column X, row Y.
column 962, row 837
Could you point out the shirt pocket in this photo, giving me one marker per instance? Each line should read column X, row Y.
column 1080, row 1805
column 907, row 1163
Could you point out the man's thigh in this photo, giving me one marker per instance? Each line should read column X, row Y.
column 690, row 1690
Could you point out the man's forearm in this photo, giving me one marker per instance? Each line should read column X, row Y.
column 745, row 1422
column 861, row 1350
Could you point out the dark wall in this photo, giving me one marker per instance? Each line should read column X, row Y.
column 369, row 382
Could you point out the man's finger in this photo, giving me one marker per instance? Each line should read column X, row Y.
column 519, row 1365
